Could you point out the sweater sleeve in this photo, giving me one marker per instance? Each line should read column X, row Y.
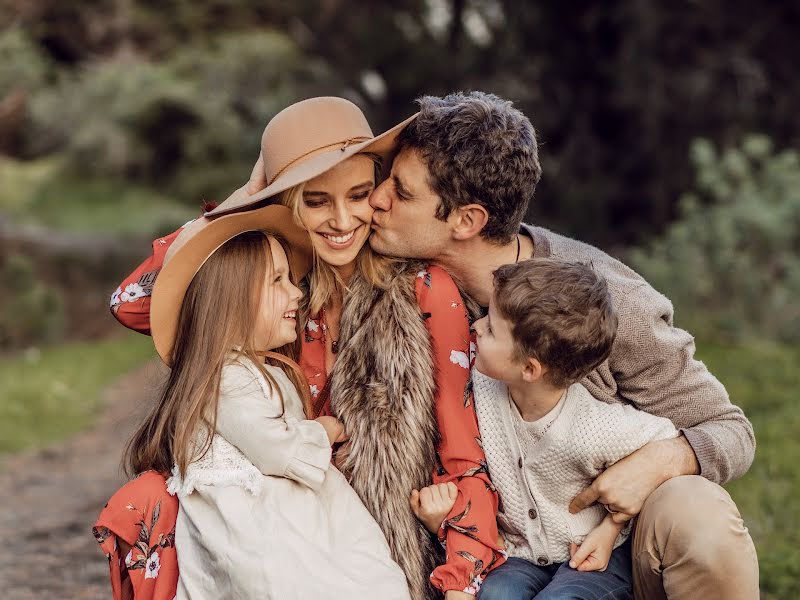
column 655, row 369
column 470, row 530
column 619, row 430
column 277, row 445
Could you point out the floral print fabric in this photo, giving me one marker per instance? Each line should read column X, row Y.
column 142, row 515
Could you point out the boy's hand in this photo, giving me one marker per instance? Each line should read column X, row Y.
column 432, row 504
column 595, row 551
column 333, row 427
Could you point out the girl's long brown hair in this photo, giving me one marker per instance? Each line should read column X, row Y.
column 218, row 315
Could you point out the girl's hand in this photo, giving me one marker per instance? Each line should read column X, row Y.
column 595, row 551
column 334, row 429
column 432, row 504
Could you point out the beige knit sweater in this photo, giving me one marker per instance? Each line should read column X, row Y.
column 652, row 364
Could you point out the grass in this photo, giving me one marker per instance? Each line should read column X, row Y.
column 50, row 394
column 764, row 380
column 42, row 193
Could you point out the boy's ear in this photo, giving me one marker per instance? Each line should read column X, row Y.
column 469, row 221
column 532, row 370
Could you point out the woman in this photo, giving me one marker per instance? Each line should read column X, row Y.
column 385, row 346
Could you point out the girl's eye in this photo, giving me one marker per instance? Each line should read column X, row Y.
column 313, row 203
column 361, row 196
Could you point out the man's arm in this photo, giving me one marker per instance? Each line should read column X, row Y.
column 470, row 529
column 655, row 369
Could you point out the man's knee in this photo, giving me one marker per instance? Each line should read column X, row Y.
column 695, row 519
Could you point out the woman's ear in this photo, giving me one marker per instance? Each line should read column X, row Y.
column 469, row 221
column 532, row 370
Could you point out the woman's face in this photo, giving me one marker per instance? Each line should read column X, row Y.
column 336, row 211
column 276, row 323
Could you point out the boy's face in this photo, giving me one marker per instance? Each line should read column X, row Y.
column 495, row 356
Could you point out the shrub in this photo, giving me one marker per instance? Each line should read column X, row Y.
column 730, row 262
column 32, row 311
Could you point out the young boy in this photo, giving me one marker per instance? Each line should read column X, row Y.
column 550, row 323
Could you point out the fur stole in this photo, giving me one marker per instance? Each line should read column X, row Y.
column 383, row 389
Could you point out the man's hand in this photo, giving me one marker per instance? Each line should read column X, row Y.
column 595, row 551
column 432, row 504
column 625, row 485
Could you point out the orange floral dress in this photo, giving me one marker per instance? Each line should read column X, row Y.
column 469, row 533
column 142, row 514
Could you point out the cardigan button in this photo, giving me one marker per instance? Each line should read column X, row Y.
column 532, row 513
column 519, row 462
column 542, row 560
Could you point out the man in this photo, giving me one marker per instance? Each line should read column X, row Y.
column 458, row 191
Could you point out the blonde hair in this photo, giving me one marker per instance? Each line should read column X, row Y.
column 324, row 281
column 218, row 314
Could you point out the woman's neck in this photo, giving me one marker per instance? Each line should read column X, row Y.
column 346, row 272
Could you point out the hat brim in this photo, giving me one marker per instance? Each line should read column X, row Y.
column 193, row 247
column 384, row 145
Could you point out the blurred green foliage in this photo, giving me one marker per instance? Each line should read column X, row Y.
column 32, row 310
column 176, row 97
column 730, row 262
column 191, row 122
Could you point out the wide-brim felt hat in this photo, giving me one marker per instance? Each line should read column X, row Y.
column 193, row 247
column 308, row 138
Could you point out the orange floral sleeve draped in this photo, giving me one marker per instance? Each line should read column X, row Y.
column 470, row 530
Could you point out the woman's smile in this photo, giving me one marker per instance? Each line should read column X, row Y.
column 340, row 241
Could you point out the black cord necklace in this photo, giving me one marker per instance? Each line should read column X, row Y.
column 516, row 260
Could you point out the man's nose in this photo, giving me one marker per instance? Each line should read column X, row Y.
column 379, row 199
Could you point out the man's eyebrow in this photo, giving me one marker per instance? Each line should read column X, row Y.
column 401, row 189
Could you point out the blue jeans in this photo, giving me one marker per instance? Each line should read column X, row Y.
column 519, row 579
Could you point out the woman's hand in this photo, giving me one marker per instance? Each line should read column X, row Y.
column 334, row 428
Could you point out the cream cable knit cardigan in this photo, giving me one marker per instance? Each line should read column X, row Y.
column 586, row 437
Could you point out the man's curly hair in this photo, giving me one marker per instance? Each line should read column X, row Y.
column 479, row 149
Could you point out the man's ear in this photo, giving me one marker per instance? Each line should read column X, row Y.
column 468, row 221
column 532, row 370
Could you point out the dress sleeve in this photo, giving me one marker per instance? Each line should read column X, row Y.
column 276, row 444
column 130, row 302
column 143, row 515
column 470, row 530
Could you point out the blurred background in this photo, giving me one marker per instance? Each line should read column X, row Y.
column 668, row 138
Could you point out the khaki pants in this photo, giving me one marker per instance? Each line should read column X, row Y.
column 691, row 543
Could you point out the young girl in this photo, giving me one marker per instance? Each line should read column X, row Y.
column 263, row 514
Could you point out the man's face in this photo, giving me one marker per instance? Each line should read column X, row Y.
column 404, row 223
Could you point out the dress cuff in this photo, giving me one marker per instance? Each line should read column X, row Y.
column 311, row 460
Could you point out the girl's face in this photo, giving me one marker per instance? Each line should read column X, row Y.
column 336, row 211
column 276, row 323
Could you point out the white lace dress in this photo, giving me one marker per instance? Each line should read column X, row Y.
column 265, row 515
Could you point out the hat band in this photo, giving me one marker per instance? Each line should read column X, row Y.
column 343, row 146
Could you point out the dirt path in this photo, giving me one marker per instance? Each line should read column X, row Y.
column 50, row 499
